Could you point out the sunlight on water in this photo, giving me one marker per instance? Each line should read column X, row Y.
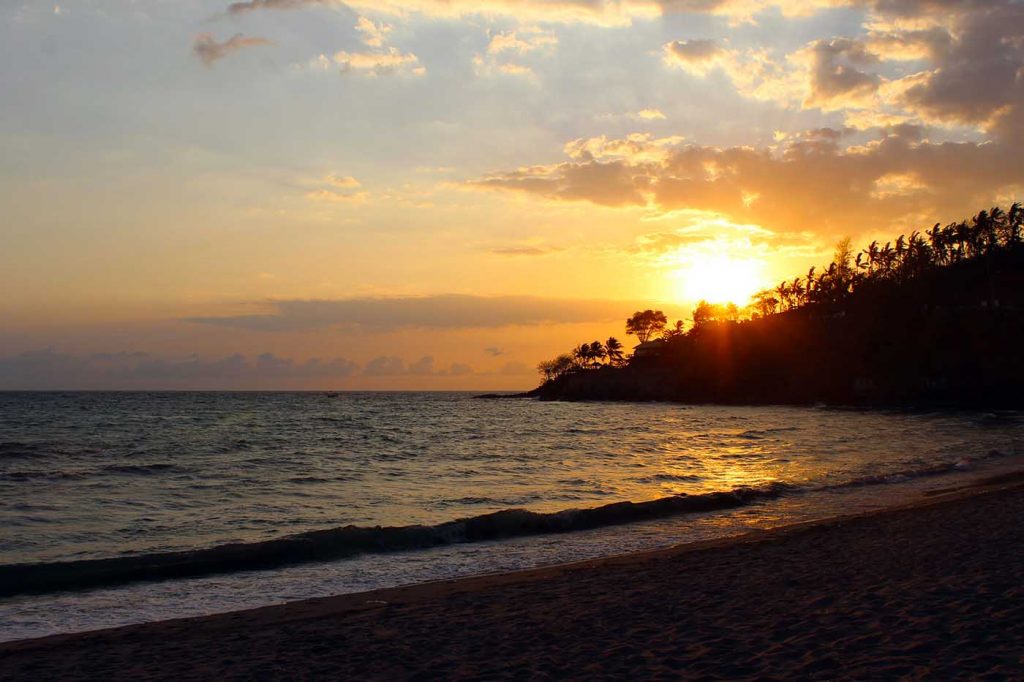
column 96, row 475
column 108, row 475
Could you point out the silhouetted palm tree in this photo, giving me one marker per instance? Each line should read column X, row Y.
column 614, row 349
column 796, row 291
column 783, row 293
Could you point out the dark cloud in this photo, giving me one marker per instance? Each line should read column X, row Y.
column 979, row 77
column 384, row 367
column 423, row 366
column 919, row 8
column 209, row 50
column 44, row 368
column 459, row 369
column 447, row 311
column 48, row 368
column 834, row 73
column 390, row 366
column 121, row 355
column 516, row 369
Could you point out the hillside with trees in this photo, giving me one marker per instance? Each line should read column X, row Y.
column 931, row 318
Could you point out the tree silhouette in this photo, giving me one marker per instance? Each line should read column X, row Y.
column 993, row 240
column 560, row 366
column 765, row 303
column 645, row 324
column 613, row 347
column 706, row 312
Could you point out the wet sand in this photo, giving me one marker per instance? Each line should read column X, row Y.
column 934, row 591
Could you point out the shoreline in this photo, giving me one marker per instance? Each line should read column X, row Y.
column 424, row 607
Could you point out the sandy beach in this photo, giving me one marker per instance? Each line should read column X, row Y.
column 933, row 591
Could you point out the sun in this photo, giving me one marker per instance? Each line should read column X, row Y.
column 720, row 279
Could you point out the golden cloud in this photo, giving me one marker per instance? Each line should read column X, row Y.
column 812, row 184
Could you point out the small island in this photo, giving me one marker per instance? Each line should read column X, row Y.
column 930, row 319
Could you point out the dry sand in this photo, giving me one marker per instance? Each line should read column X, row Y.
column 931, row 592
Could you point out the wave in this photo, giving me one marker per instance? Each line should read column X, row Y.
column 348, row 541
column 901, row 476
column 340, row 543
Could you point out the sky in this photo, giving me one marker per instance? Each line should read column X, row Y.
column 438, row 194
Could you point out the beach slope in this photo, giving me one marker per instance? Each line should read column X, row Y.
column 932, row 591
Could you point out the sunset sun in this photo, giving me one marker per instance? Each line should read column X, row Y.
column 720, row 279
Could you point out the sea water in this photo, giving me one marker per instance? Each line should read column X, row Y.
column 119, row 476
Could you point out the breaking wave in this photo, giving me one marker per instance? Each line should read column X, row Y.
column 339, row 543
column 348, row 541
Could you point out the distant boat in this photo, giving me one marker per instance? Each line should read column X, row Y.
column 331, row 394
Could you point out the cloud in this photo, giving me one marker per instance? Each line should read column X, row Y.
column 521, row 41
column 391, row 366
column 945, row 62
column 380, row 60
column 635, row 147
column 601, row 12
column 339, row 189
column 812, row 183
column 209, row 50
column 651, row 114
column 695, row 56
column 253, row 5
column 506, row 50
column 384, row 367
column 379, row 63
column 755, row 72
column 978, row 78
column 342, row 181
column 445, row 311
column 487, row 66
column 494, row 351
column 48, row 368
column 374, row 34
column 516, row 369
column 909, row 45
column 334, row 197
column 624, row 12
column 835, row 81
column 823, row 74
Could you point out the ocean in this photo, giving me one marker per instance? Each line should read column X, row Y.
column 239, row 500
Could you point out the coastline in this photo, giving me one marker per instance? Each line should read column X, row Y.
column 924, row 589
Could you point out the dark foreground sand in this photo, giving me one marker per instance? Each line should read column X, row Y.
column 934, row 592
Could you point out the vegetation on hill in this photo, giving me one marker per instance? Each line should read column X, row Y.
column 932, row 317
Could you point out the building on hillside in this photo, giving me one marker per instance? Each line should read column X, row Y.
column 649, row 349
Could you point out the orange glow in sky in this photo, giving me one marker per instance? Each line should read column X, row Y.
column 439, row 195
column 721, row 279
